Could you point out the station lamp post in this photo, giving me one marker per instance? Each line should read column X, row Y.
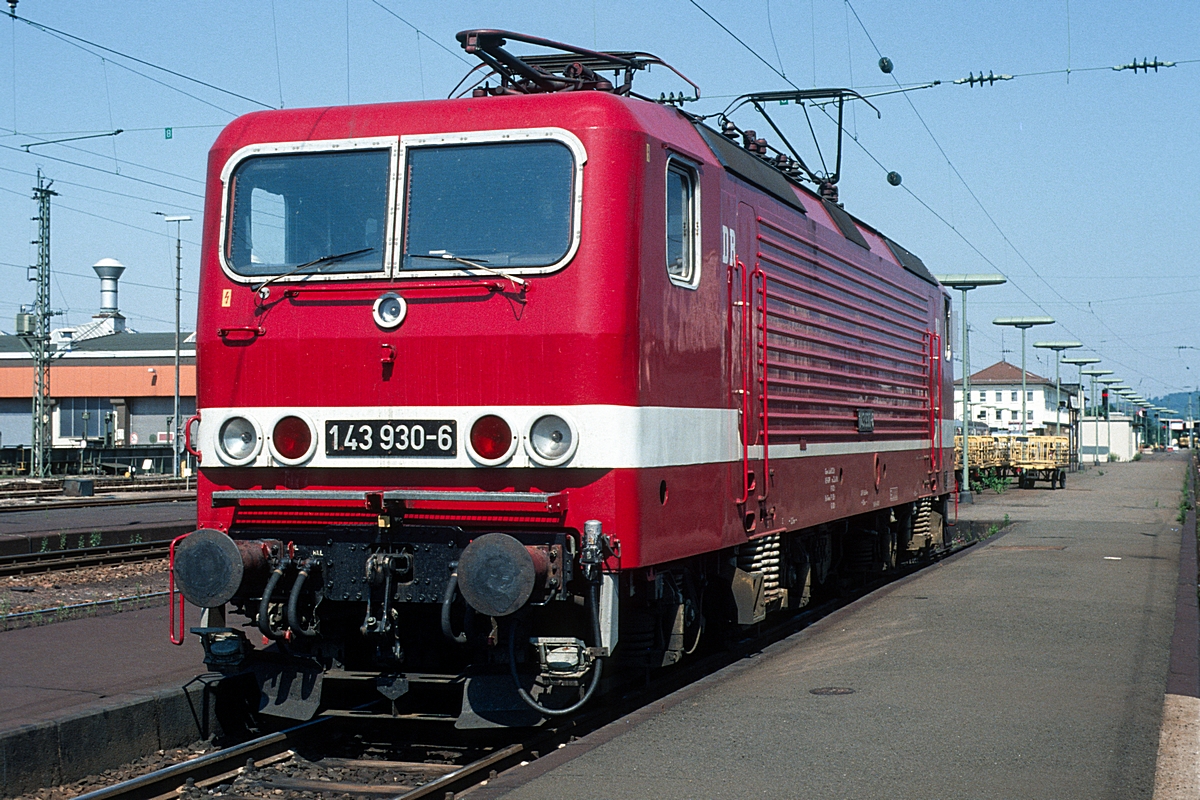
column 1058, row 348
column 1093, row 374
column 1108, row 384
column 1080, row 362
column 964, row 284
column 1024, row 323
column 174, row 425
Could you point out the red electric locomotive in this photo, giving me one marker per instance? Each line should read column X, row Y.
column 498, row 390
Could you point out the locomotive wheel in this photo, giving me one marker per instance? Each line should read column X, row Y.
column 887, row 548
column 693, row 613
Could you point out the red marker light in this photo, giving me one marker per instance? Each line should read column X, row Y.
column 292, row 437
column 491, row 438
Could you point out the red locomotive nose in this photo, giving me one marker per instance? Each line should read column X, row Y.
column 491, row 437
column 291, row 437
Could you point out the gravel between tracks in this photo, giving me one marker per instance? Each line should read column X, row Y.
column 51, row 591
column 150, row 763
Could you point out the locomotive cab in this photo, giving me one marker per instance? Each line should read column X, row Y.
column 497, row 390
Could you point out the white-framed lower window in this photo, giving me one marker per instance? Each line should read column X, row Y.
column 682, row 224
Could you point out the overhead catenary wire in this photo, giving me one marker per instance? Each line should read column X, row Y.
column 423, row 33
column 988, row 214
column 929, row 208
column 80, row 40
column 46, row 157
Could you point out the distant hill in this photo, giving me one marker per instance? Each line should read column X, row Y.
column 1178, row 401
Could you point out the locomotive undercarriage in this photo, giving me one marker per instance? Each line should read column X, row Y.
column 350, row 613
column 670, row 608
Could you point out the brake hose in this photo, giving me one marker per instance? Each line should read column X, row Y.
column 293, row 613
column 447, row 600
column 595, row 681
column 264, row 605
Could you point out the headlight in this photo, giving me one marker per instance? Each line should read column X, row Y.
column 239, row 440
column 389, row 310
column 552, row 440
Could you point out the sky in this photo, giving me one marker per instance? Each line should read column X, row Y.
column 1079, row 183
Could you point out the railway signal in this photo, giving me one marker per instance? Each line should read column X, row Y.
column 1094, row 374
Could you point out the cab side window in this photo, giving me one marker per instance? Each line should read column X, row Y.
column 683, row 225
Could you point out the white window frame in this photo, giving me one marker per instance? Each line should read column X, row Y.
column 390, row 143
column 692, row 171
column 560, row 135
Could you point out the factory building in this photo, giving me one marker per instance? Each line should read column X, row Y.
column 110, row 387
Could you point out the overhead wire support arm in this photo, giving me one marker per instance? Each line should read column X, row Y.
column 117, row 132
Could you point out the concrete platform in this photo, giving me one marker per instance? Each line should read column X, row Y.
column 1034, row 665
column 30, row 530
column 80, row 696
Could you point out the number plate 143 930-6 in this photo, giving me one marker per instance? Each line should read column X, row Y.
column 398, row 437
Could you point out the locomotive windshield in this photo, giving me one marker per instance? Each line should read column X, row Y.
column 321, row 212
column 502, row 205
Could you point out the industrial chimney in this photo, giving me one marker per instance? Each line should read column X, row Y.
column 109, row 320
column 109, row 270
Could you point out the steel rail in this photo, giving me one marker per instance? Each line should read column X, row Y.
column 58, row 560
column 167, row 781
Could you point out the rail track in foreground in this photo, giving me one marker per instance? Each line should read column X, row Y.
column 304, row 761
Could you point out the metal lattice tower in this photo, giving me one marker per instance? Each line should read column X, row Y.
column 36, row 336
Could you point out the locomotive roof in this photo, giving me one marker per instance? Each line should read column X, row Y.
column 765, row 176
column 585, row 109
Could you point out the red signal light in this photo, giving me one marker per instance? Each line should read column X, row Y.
column 491, row 437
column 292, row 437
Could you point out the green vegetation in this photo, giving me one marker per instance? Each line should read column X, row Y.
column 991, row 481
column 1137, row 456
column 95, row 539
column 1113, row 457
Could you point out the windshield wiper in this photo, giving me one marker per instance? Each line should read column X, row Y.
column 471, row 263
column 329, row 259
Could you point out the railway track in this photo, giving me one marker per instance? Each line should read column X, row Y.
column 57, row 501
column 298, row 762
column 58, row 560
column 52, row 487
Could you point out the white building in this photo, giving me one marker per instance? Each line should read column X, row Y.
column 996, row 401
column 1112, row 439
